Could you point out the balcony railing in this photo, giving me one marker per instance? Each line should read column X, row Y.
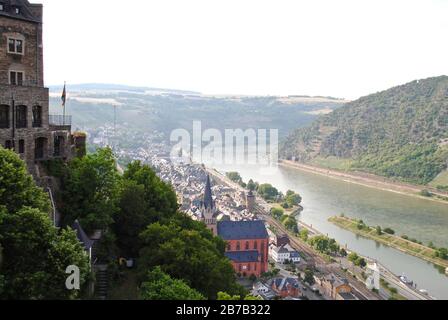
column 60, row 120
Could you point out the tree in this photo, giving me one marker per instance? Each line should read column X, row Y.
column 293, row 199
column 251, row 185
column 267, row 191
column 309, row 276
column 90, row 191
column 442, row 253
column 235, row 177
column 304, row 234
column 158, row 196
column 17, row 188
column 160, row 286
column 277, row 213
column 35, row 256
column 132, row 218
column 224, row 296
column 379, row 231
column 189, row 255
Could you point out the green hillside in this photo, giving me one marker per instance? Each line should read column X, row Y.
column 400, row 133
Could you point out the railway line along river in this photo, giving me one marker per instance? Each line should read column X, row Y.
column 324, row 197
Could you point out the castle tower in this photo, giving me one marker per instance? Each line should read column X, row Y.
column 208, row 208
column 250, row 202
column 25, row 124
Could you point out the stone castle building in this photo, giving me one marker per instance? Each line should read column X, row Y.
column 25, row 123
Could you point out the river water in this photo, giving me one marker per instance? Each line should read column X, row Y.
column 324, row 197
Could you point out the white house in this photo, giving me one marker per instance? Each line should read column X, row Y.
column 284, row 253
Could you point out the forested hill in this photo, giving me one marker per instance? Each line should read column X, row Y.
column 401, row 133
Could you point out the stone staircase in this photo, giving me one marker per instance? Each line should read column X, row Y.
column 102, row 282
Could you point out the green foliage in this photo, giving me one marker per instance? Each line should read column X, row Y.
column 191, row 254
column 304, row 234
column 224, row 296
column 90, row 191
column 442, row 253
column 17, row 188
column 389, row 231
column 36, row 256
column 267, row 191
column 293, row 199
column 277, row 213
column 395, row 133
column 144, row 198
column 251, row 185
column 235, row 177
column 160, row 286
column 158, row 195
column 357, row 260
column 426, row 193
column 378, row 230
column 324, row 244
column 309, row 276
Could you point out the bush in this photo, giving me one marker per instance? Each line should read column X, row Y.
column 389, row 231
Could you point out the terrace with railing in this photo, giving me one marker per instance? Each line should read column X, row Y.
column 60, row 120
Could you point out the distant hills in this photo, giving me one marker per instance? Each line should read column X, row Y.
column 147, row 109
column 400, row 133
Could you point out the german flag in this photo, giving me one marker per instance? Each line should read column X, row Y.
column 64, row 96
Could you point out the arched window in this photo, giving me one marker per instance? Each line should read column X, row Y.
column 37, row 116
column 4, row 116
column 238, row 246
column 21, row 114
column 255, row 245
column 229, row 246
column 247, row 245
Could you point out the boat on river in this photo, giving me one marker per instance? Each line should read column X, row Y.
column 406, row 280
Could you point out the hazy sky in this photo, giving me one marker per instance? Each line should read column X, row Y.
column 343, row 48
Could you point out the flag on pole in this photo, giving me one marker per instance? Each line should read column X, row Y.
column 64, row 96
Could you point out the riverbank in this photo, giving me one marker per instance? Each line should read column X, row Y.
column 370, row 180
column 393, row 241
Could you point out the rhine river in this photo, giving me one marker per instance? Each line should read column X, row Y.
column 324, row 197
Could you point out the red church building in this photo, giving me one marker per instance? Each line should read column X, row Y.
column 247, row 241
column 247, row 246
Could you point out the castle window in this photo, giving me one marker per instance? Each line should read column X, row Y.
column 247, row 245
column 8, row 144
column 238, row 246
column 21, row 113
column 15, row 45
column 16, row 9
column 255, row 245
column 4, row 116
column 21, row 146
column 37, row 116
column 229, row 246
column 16, row 78
column 2, row 7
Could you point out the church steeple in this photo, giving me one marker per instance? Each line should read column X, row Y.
column 208, row 198
column 208, row 208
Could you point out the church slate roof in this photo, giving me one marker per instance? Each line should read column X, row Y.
column 23, row 5
column 242, row 256
column 208, row 198
column 242, row 230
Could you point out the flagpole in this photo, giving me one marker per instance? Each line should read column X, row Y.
column 65, row 99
